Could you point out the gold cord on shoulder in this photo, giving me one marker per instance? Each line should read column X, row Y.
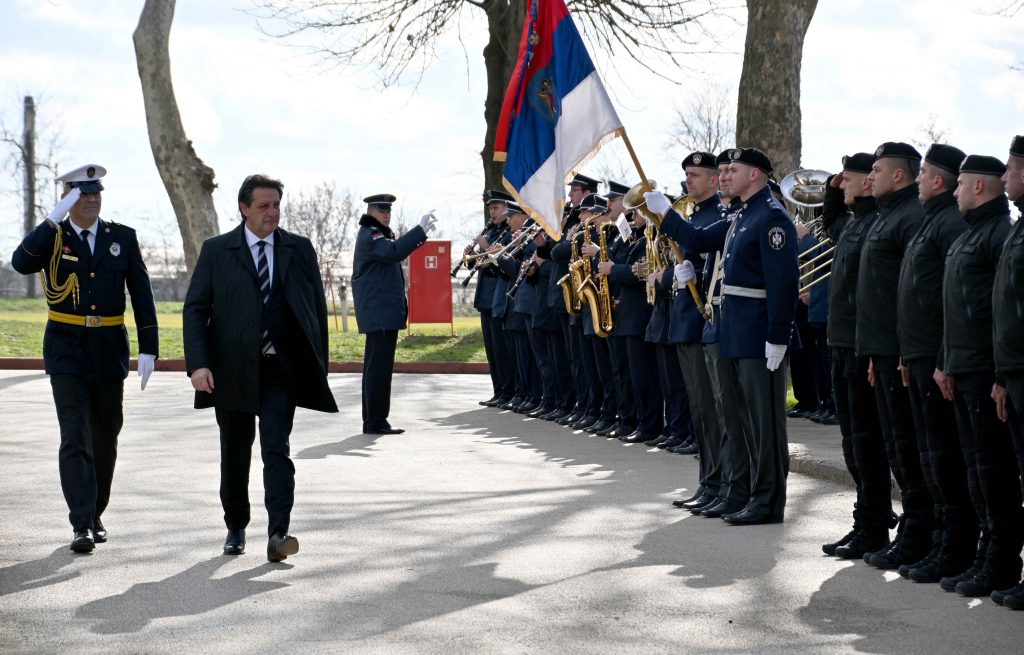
column 58, row 293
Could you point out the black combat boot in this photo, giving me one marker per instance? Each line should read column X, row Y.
column 830, row 548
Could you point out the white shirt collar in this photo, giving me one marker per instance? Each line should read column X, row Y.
column 78, row 230
column 251, row 239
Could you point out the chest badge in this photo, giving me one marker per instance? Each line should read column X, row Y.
column 776, row 238
column 67, row 250
column 115, row 249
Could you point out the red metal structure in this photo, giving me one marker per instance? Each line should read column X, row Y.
column 430, row 284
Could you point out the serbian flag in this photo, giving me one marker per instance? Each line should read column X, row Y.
column 556, row 114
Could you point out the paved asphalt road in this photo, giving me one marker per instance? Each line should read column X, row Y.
column 474, row 532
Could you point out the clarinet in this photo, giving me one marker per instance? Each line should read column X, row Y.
column 462, row 261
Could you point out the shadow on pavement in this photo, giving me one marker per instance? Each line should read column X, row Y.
column 193, row 591
column 347, row 447
column 20, row 379
column 38, row 573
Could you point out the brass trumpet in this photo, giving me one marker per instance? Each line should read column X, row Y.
column 804, row 191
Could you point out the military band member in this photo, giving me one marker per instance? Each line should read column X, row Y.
column 759, row 299
column 900, row 216
column 515, row 316
column 547, row 326
column 1008, row 336
column 966, row 372
column 499, row 357
column 86, row 264
column 920, row 326
column 378, row 288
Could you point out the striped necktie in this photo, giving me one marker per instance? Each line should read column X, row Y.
column 263, row 274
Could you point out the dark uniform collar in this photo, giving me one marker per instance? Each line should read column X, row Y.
column 998, row 206
column 864, row 205
column 763, row 192
column 374, row 224
column 896, row 197
column 935, row 204
column 713, row 201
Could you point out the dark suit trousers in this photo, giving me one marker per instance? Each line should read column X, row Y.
column 673, row 389
column 606, row 375
column 763, row 393
column 643, row 365
column 378, row 366
column 733, row 426
column 707, row 429
column 237, row 433
column 485, row 329
column 90, row 418
column 626, row 401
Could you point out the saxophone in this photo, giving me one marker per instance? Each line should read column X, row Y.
column 601, row 303
column 652, row 261
column 573, row 303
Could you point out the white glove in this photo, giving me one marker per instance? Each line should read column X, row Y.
column 147, row 363
column 684, row 273
column 427, row 221
column 657, row 202
column 774, row 353
column 65, row 205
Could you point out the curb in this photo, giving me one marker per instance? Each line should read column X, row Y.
column 178, row 366
column 802, row 461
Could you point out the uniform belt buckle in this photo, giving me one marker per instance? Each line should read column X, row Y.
column 92, row 321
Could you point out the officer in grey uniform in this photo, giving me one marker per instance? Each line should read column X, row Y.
column 378, row 288
column 86, row 264
column 759, row 289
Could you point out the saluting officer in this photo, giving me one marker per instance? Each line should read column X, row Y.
column 900, row 216
column 759, row 290
column 86, row 264
column 1008, row 336
column 920, row 326
column 966, row 372
column 378, row 288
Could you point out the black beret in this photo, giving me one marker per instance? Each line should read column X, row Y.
column 983, row 165
column 497, row 195
column 588, row 183
column 379, row 199
column 858, row 163
column 616, row 190
column 722, row 158
column 1017, row 146
column 700, row 159
column 897, row 149
column 946, row 157
column 751, row 157
column 594, row 203
column 513, row 208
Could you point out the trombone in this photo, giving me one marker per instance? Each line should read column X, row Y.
column 804, row 191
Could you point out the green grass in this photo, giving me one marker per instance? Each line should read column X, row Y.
column 22, row 323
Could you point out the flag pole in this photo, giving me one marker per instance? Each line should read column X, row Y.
column 691, row 285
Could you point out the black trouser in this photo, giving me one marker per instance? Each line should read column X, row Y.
column 527, row 376
column 485, row 330
column 237, row 433
column 673, row 389
column 547, row 387
column 942, row 463
column 1015, row 409
column 801, row 363
column 378, row 367
column 624, row 397
column 706, row 427
column 822, row 367
column 552, row 348
column 90, row 418
column 904, row 456
column 594, row 393
column 606, row 376
column 504, row 358
column 568, row 363
column 996, row 480
column 581, row 372
column 863, row 443
column 643, row 366
column 763, row 393
column 734, row 426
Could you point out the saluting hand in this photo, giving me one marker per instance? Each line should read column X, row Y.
column 202, row 380
column 64, row 206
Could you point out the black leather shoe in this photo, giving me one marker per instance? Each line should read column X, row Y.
column 384, row 430
column 490, row 402
column 636, row 437
column 99, row 533
column 797, row 412
column 829, row 419
column 569, row 418
column 747, row 517
column 604, row 432
column 696, row 494
column 515, row 401
column 654, row 441
column 700, row 502
column 82, row 542
column 719, row 509
column 281, row 546
column 601, row 426
column 555, row 415
column 526, row 407
column 999, row 595
column 674, row 442
column 950, row 582
column 583, row 423
column 865, row 541
column 234, row 544
column 539, row 411
column 686, row 448
column 621, row 430
column 830, row 548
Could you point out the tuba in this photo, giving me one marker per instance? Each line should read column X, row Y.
column 804, row 191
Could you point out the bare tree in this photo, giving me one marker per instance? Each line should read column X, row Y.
column 188, row 181
column 707, row 123
column 768, row 108
column 325, row 216
column 398, row 38
column 930, row 132
column 25, row 160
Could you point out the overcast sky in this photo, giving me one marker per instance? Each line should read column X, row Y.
column 873, row 71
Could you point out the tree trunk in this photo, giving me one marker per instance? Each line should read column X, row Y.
column 768, row 112
column 504, row 26
column 189, row 182
column 28, row 153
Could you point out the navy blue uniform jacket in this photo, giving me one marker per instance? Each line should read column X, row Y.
column 760, row 255
column 378, row 284
column 95, row 354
